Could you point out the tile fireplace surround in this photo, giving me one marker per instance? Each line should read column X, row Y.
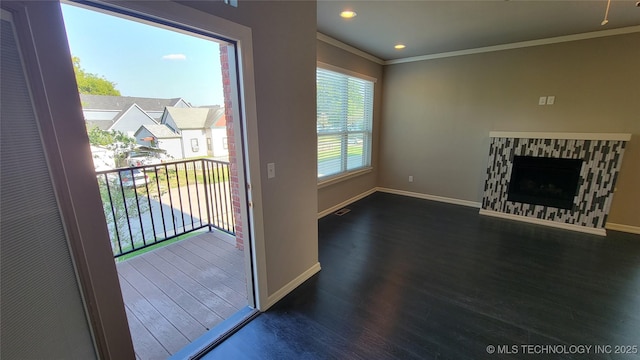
column 602, row 156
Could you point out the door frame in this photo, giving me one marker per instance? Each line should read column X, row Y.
column 41, row 30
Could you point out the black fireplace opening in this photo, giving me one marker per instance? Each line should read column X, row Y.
column 544, row 181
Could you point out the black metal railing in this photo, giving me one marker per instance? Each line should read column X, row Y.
column 146, row 205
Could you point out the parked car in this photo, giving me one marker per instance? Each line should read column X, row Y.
column 141, row 158
column 139, row 178
column 145, row 158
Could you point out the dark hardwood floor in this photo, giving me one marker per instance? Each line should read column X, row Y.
column 405, row 278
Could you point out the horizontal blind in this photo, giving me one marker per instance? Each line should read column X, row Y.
column 344, row 122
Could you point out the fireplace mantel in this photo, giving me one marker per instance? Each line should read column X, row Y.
column 560, row 135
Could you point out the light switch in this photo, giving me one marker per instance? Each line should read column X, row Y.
column 542, row 100
column 551, row 100
column 271, row 170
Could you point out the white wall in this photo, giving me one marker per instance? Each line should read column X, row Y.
column 173, row 147
column 187, row 136
column 219, row 142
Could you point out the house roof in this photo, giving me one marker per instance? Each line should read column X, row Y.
column 100, row 124
column 160, row 131
column 109, row 102
column 215, row 117
column 195, row 118
column 108, row 124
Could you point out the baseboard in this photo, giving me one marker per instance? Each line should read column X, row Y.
column 335, row 208
column 584, row 229
column 431, row 197
column 275, row 297
column 623, row 228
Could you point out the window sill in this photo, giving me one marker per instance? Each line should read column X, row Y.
column 342, row 177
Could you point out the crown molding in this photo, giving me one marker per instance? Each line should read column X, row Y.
column 518, row 45
column 339, row 44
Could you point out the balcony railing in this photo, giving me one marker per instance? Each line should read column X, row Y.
column 146, row 205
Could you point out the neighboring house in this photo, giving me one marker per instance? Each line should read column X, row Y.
column 202, row 130
column 125, row 113
column 216, row 133
column 160, row 136
column 169, row 124
column 130, row 120
column 106, row 107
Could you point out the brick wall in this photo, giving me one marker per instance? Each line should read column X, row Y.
column 228, row 112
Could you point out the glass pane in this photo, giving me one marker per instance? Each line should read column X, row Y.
column 331, row 103
column 344, row 121
column 355, row 151
column 355, row 109
column 329, row 155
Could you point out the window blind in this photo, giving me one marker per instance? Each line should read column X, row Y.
column 344, row 122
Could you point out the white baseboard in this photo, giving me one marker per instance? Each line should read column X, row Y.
column 345, row 203
column 430, row 197
column 584, row 229
column 623, row 228
column 275, row 297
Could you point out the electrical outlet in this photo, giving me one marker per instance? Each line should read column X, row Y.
column 551, row 100
column 542, row 100
column 410, row 178
column 271, row 170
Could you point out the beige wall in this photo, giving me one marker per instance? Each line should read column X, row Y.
column 334, row 194
column 437, row 114
column 284, row 58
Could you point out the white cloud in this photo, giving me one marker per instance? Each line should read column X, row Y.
column 175, row 57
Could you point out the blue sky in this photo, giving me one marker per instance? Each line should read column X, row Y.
column 143, row 60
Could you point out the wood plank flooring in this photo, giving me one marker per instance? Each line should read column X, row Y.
column 175, row 294
column 405, row 278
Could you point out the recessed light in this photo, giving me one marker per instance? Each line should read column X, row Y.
column 348, row 14
column 400, row 46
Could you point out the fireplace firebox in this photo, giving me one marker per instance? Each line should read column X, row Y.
column 544, row 181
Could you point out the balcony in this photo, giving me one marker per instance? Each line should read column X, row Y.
column 171, row 230
column 176, row 293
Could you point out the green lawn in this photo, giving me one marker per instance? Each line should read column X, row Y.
column 156, row 246
column 183, row 177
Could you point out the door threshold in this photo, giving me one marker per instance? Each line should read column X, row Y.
column 212, row 338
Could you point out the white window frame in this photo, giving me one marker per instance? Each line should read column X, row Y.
column 367, row 133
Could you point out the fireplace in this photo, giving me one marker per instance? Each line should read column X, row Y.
column 544, row 181
column 563, row 180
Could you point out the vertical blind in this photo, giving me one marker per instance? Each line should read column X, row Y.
column 344, row 122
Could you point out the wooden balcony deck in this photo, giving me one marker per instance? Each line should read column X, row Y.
column 174, row 294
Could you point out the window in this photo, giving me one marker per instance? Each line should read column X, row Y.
column 344, row 122
column 194, row 145
column 209, row 144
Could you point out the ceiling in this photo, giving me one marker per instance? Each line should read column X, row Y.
column 433, row 27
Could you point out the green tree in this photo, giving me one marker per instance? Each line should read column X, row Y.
column 116, row 141
column 92, row 84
